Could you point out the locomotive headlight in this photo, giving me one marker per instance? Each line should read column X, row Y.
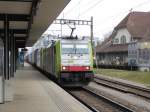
column 75, row 57
column 64, row 68
column 87, row 68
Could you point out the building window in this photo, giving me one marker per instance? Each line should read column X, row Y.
column 116, row 40
column 123, row 39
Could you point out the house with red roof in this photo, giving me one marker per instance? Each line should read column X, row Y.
column 135, row 27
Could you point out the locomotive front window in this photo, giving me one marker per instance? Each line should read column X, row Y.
column 68, row 49
column 82, row 49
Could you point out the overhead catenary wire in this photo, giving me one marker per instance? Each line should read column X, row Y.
column 141, row 4
column 85, row 5
column 129, row 10
column 91, row 7
column 73, row 8
column 78, row 5
column 90, row 2
column 97, row 3
column 124, row 12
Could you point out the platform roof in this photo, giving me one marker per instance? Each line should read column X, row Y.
column 28, row 19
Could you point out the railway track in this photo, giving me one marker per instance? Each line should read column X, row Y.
column 123, row 87
column 97, row 102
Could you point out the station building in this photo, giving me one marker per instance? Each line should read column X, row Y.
column 134, row 28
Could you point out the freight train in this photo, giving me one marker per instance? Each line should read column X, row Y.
column 69, row 60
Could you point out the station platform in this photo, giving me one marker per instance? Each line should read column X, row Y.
column 33, row 92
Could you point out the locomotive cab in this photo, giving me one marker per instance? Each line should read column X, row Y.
column 76, row 62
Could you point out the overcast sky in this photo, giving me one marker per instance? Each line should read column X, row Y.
column 106, row 13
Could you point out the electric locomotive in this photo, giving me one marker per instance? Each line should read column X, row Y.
column 76, row 62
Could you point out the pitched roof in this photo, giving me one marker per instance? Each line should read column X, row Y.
column 137, row 23
column 112, row 48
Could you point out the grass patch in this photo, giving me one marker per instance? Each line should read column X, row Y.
column 135, row 76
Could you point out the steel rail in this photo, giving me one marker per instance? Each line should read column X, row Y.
column 84, row 103
column 111, row 102
column 124, row 87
